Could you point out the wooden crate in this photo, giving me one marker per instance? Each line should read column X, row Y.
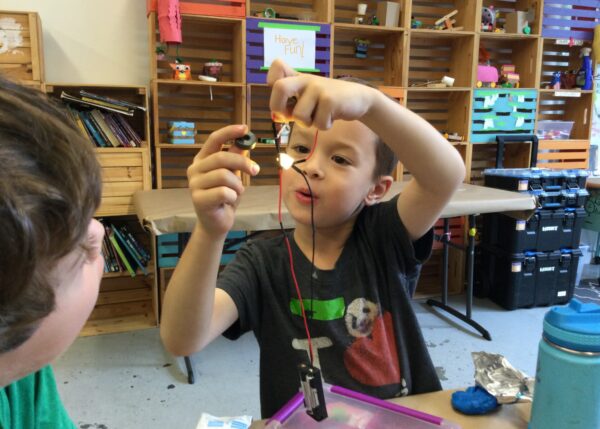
column 125, row 170
column 558, row 57
column 516, row 155
column 172, row 164
column 21, row 52
column 520, row 50
column 507, row 6
column 258, row 111
column 430, row 281
column 463, row 148
column 429, row 11
column 446, row 109
column 383, row 65
column 204, row 39
column 191, row 101
column 345, row 11
column 563, row 154
column 435, row 54
column 255, row 52
column 227, row 8
column 266, row 157
column 126, row 303
column 564, row 19
column 303, row 10
column 562, row 106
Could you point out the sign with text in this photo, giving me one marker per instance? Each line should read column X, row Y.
column 294, row 44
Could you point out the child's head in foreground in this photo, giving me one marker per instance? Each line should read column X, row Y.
column 349, row 168
column 50, row 262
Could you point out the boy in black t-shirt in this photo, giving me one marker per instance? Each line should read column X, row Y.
column 367, row 254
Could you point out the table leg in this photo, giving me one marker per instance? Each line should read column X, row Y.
column 470, row 267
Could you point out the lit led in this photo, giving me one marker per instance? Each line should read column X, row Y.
column 285, row 161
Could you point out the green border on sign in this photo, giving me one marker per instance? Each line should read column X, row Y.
column 314, row 28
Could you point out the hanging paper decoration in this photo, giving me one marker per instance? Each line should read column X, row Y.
column 169, row 21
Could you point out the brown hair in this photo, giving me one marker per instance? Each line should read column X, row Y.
column 50, row 187
column 385, row 158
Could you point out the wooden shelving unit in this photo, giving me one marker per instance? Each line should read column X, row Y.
column 125, row 303
column 400, row 58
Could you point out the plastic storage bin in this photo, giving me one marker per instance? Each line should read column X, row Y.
column 535, row 179
column 352, row 410
column 554, row 130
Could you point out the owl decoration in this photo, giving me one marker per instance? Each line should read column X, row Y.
column 181, row 71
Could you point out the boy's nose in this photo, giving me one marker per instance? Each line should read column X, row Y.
column 311, row 167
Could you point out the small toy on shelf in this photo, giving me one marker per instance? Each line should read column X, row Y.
column 361, row 46
column 361, row 10
column 488, row 19
column 447, row 22
column 517, row 22
column 161, row 51
column 181, row 71
column 373, row 20
column 213, row 69
column 181, row 132
column 486, row 76
column 444, row 82
column 567, row 80
column 555, row 82
column 509, row 78
column 453, row 137
column 415, row 23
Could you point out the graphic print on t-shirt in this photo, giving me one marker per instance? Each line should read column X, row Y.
column 372, row 358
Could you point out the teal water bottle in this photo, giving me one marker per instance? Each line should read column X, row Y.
column 567, row 381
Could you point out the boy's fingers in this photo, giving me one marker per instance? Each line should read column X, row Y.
column 305, row 108
column 283, row 90
column 218, row 138
column 278, row 70
column 228, row 160
column 218, row 178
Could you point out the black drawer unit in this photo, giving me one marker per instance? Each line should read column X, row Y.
column 529, row 279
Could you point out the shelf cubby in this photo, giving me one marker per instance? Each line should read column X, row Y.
column 435, row 54
column 446, row 109
column 258, row 111
column 573, row 106
column 567, row 19
column 558, row 56
column 516, row 155
column 506, row 6
column 383, row 65
column 344, row 11
column 204, row 39
column 519, row 50
column 429, row 11
column 302, row 10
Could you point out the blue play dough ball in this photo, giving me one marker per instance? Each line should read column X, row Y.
column 474, row 400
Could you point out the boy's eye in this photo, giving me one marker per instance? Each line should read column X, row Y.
column 300, row 149
column 340, row 160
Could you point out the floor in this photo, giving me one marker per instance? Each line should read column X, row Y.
column 128, row 380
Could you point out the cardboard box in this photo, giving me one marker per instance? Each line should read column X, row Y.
column 515, row 21
column 388, row 13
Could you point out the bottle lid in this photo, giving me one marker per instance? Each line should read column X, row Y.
column 575, row 326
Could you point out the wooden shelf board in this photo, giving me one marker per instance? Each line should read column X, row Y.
column 120, row 149
column 425, row 33
column 366, row 29
column 212, row 19
column 507, row 36
column 199, row 83
column 448, row 89
column 118, row 324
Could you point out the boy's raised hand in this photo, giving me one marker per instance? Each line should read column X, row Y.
column 215, row 183
column 320, row 101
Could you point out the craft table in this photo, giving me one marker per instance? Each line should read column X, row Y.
column 165, row 211
column 513, row 416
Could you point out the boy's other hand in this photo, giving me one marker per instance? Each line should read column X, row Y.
column 215, row 182
column 320, row 101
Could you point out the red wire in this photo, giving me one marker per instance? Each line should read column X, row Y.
column 289, row 248
column 313, row 146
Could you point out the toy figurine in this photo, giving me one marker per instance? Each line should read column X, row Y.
column 486, row 76
column 584, row 75
column 213, row 69
column 556, row 78
column 488, row 19
column 509, row 78
column 415, row 23
column 361, row 47
column 181, row 71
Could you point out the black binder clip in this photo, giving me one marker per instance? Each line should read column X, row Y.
column 312, row 388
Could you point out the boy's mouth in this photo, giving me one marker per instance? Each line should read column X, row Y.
column 304, row 196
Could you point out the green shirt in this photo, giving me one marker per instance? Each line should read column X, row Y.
column 33, row 403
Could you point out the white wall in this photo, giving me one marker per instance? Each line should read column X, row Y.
column 92, row 41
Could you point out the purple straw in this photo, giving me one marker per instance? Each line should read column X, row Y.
column 388, row 405
column 288, row 409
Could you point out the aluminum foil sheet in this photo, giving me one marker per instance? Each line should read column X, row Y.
column 496, row 375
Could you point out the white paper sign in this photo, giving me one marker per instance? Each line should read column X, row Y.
column 295, row 47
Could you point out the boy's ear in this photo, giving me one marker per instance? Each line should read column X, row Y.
column 378, row 190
